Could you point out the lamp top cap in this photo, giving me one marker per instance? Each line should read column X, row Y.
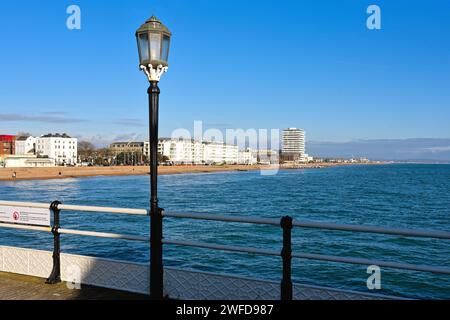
column 154, row 24
column 153, row 19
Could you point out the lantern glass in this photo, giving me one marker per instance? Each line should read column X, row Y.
column 155, row 46
column 153, row 42
column 143, row 47
column 165, row 49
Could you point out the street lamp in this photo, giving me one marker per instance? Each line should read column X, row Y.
column 153, row 43
column 153, row 40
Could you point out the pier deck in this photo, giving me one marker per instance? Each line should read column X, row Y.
column 19, row 287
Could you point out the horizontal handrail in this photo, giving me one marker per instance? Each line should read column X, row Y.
column 367, row 262
column 25, row 227
column 315, row 225
column 141, row 212
column 308, row 256
column 76, row 232
column 76, row 208
column 223, row 218
column 103, row 235
column 25, row 204
column 221, row 247
column 371, row 229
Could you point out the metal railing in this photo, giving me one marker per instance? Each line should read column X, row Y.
column 286, row 254
column 285, row 223
column 56, row 207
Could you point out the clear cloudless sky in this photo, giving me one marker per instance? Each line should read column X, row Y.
column 233, row 64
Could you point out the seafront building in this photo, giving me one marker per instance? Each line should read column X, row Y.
column 46, row 151
column 217, row 152
column 266, row 156
column 129, row 152
column 25, row 145
column 186, row 151
column 27, row 161
column 189, row 151
column 182, row 151
column 60, row 147
column 293, row 141
column 294, row 146
column 7, row 146
column 127, row 147
column 247, row 157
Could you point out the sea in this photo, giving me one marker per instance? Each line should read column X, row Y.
column 415, row 196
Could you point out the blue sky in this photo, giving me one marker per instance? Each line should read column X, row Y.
column 233, row 64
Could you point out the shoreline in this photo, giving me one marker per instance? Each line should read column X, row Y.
column 23, row 174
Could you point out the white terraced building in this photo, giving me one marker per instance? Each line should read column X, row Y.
column 181, row 151
column 60, row 147
column 247, row 157
column 185, row 151
column 216, row 152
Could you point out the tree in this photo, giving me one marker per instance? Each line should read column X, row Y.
column 162, row 158
column 85, row 146
column 86, row 151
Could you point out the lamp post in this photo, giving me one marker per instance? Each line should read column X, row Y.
column 153, row 40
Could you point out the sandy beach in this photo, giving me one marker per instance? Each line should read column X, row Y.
column 6, row 174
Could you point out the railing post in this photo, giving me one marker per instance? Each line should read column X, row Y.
column 286, row 255
column 55, row 276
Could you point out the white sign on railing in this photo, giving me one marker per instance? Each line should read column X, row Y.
column 24, row 215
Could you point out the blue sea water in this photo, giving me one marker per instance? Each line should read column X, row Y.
column 410, row 196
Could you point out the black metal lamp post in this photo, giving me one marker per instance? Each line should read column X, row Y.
column 153, row 40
